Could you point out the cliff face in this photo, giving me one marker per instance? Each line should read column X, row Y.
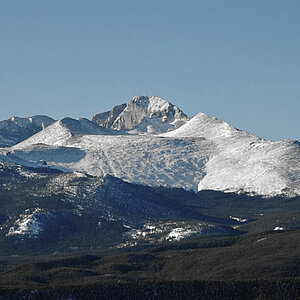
column 106, row 119
column 146, row 114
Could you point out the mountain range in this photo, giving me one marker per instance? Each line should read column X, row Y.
column 152, row 142
column 145, row 192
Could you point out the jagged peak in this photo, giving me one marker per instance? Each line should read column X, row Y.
column 23, row 122
column 143, row 114
column 156, row 104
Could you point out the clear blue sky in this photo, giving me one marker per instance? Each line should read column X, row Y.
column 237, row 60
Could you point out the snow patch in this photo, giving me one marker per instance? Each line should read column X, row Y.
column 179, row 233
column 167, row 231
column 238, row 219
column 279, row 228
column 260, row 240
column 29, row 224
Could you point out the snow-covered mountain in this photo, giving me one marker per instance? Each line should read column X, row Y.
column 15, row 130
column 243, row 162
column 202, row 153
column 78, row 184
column 60, row 131
column 211, row 128
column 149, row 114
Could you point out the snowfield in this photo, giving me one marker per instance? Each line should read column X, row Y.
column 147, row 160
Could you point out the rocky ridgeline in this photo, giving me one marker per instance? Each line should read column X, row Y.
column 15, row 130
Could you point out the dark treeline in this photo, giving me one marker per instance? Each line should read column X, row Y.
column 164, row 290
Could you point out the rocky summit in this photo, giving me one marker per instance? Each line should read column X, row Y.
column 148, row 114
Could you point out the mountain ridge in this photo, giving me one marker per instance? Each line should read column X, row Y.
column 59, row 132
column 203, row 153
column 16, row 129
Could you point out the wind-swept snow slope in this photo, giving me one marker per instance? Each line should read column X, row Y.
column 140, row 159
column 62, row 130
column 204, row 153
column 243, row 162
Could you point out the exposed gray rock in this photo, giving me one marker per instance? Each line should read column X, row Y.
column 15, row 130
column 107, row 118
column 145, row 114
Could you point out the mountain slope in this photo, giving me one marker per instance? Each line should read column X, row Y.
column 44, row 210
column 64, row 129
column 145, row 160
column 243, row 162
column 15, row 130
column 243, row 165
column 211, row 128
column 266, row 168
